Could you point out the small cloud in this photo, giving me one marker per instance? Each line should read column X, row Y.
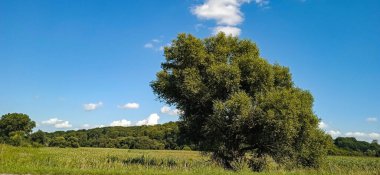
column 322, row 125
column 57, row 123
column 156, row 41
column 364, row 136
column 371, row 119
column 222, row 11
column 161, row 48
column 129, row 106
column 155, row 44
column 92, row 106
column 226, row 13
column 334, row 134
column 168, row 110
column 165, row 109
column 122, row 122
column 228, row 30
column 355, row 134
column 374, row 136
column 151, row 120
column 99, row 126
column 148, row 45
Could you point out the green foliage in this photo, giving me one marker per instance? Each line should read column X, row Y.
column 39, row 137
column 58, row 142
column 18, row 138
column 18, row 124
column 235, row 103
column 72, row 142
column 349, row 146
column 163, row 136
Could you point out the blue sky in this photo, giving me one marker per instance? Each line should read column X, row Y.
column 83, row 64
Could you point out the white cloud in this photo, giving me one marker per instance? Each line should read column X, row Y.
column 334, row 134
column 168, row 110
column 161, row 48
column 92, row 106
column 155, row 44
column 371, row 119
column 129, row 106
column 358, row 135
column 355, row 134
column 364, row 136
column 226, row 13
column 228, row 30
column 57, row 123
column 148, row 45
column 151, row 120
column 99, row 126
column 122, row 122
column 374, row 136
column 165, row 109
column 322, row 125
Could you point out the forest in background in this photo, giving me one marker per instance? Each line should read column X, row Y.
column 159, row 137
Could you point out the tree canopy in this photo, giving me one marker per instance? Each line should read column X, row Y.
column 14, row 122
column 236, row 103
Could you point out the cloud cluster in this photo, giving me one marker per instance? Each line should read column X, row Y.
column 122, row 122
column 226, row 13
column 92, row 106
column 358, row 135
column 364, row 136
column 57, row 123
column 168, row 110
column 155, row 44
column 334, row 133
column 129, row 106
column 151, row 120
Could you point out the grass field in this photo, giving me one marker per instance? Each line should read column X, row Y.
column 17, row 160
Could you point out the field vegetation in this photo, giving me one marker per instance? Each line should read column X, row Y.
column 48, row 160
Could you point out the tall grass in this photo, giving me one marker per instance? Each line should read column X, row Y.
column 120, row 161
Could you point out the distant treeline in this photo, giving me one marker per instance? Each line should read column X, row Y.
column 16, row 129
column 167, row 136
column 349, row 146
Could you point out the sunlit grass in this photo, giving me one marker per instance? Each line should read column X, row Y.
column 120, row 161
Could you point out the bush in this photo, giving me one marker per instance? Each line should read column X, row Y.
column 186, row 148
column 58, row 142
column 72, row 142
column 262, row 163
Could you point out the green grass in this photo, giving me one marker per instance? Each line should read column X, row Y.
column 18, row 160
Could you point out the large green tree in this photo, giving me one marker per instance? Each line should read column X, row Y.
column 237, row 105
column 15, row 122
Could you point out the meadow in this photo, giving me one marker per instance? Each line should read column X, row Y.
column 47, row 160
